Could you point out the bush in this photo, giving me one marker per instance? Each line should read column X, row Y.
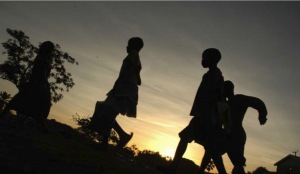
column 260, row 170
column 84, row 122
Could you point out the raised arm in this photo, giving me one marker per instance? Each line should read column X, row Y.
column 261, row 108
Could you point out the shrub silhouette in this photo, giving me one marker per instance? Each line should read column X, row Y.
column 4, row 99
column 260, row 170
column 84, row 122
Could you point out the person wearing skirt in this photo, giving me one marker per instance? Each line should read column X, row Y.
column 34, row 98
column 121, row 99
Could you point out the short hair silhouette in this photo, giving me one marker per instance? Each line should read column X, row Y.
column 204, row 128
column 228, row 85
column 212, row 53
column 46, row 47
column 135, row 43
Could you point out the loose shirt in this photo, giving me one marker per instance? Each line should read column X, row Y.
column 209, row 93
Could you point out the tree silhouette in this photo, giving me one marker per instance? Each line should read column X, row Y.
column 260, row 170
column 18, row 66
column 4, row 99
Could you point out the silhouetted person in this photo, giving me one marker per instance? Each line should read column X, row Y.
column 224, row 127
column 34, row 98
column 236, row 139
column 122, row 99
column 204, row 126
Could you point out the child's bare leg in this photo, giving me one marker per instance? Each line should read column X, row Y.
column 124, row 137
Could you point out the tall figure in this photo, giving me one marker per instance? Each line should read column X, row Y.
column 237, row 138
column 204, row 126
column 34, row 99
column 121, row 99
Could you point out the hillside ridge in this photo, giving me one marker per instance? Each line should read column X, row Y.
column 25, row 149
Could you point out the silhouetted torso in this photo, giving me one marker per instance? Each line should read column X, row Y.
column 40, row 72
column 209, row 92
column 129, row 78
column 239, row 105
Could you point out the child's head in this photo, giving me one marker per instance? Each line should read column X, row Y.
column 228, row 88
column 46, row 48
column 210, row 57
column 135, row 43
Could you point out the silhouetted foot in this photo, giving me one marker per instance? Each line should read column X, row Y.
column 166, row 169
column 124, row 140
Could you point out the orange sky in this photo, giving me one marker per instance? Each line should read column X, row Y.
column 259, row 42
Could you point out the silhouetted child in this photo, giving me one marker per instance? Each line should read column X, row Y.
column 237, row 138
column 222, row 129
column 203, row 127
column 122, row 99
column 34, row 99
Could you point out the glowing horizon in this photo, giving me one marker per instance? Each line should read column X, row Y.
column 259, row 43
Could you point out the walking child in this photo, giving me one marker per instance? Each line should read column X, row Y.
column 34, row 99
column 121, row 99
column 203, row 127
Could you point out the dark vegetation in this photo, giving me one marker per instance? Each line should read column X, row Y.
column 17, row 66
column 24, row 149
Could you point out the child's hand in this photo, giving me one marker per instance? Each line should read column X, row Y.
column 262, row 120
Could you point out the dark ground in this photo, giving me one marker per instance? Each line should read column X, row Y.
column 24, row 149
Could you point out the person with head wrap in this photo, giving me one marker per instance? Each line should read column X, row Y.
column 34, row 98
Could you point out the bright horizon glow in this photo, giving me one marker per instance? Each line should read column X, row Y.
column 168, row 152
column 259, row 43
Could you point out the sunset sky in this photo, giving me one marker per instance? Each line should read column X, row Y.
column 259, row 42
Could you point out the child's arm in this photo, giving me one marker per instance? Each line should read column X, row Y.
column 260, row 106
column 135, row 60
